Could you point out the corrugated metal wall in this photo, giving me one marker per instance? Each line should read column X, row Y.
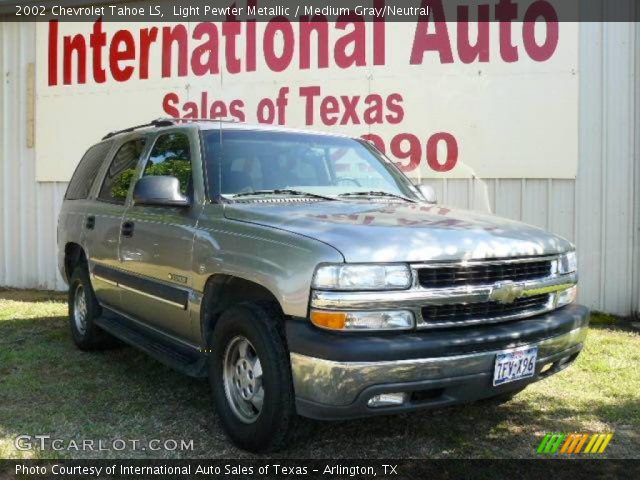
column 29, row 209
column 636, row 188
column 600, row 211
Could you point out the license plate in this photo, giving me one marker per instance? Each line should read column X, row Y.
column 512, row 365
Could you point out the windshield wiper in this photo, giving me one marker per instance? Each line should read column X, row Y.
column 375, row 194
column 282, row 191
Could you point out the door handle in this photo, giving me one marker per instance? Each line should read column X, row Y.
column 90, row 222
column 127, row 229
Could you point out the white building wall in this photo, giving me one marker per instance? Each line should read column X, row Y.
column 600, row 211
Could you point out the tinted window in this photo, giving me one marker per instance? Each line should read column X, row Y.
column 118, row 178
column 86, row 171
column 250, row 161
column 351, row 168
column 171, row 156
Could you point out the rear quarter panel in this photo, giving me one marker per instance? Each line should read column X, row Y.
column 70, row 229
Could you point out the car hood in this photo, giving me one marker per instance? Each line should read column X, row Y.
column 392, row 232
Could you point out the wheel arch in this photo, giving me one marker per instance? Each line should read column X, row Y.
column 73, row 255
column 222, row 291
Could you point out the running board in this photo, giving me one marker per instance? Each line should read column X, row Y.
column 183, row 358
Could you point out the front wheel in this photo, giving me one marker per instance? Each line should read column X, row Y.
column 250, row 376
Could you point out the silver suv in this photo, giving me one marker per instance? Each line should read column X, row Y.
column 304, row 274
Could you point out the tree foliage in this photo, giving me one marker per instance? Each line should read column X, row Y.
column 170, row 156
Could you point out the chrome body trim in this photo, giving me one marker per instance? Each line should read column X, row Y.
column 154, row 297
column 339, row 383
column 416, row 297
column 496, row 261
column 105, row 280
column 140, row 292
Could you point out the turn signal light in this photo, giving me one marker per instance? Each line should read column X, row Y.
column 331, row 320
column 365, row 320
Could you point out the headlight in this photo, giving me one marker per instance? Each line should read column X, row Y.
column 365, row 320
column 362, row 277
column 567, row 263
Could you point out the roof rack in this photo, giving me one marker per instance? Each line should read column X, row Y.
column 167, row 122
column 160, row 122
column 219, row 119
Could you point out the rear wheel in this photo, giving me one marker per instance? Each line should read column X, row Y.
column 250, row 376
column 83, row 310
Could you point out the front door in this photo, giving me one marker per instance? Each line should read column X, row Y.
column 156, row 243
column 103, row 224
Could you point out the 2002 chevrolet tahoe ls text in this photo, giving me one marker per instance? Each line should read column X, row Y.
column 305, row 275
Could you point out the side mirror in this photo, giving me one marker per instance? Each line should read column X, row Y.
column 428, row 193
column 161, row 190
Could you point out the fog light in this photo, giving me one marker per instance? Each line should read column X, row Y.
column 387, row 399
column 546, row 368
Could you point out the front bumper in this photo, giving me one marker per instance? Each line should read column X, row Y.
column 334, row 375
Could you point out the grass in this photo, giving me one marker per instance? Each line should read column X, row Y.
column 49, row 387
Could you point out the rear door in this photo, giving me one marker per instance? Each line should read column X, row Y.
column 103, row 221
column 157, row 241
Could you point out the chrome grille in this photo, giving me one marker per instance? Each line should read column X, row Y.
column 465, row 293
column 457, row 275
column 456, row 313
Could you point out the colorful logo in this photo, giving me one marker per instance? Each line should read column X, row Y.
column 574, row 443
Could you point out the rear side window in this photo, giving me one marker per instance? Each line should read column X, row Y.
column 118, row 178
column 86, row 172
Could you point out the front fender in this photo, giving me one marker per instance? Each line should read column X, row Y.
column 283, row 262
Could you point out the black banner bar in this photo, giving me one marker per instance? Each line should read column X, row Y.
column 330, row 10
column 321, row 469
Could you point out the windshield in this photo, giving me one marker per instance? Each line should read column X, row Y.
column 245, row 163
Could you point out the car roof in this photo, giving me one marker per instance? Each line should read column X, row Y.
column 206, row 124
column 217, row 125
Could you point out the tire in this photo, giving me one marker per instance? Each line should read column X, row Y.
column 83, row 310
column 252, row 425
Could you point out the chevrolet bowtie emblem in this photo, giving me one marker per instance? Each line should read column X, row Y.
column 506, row 292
